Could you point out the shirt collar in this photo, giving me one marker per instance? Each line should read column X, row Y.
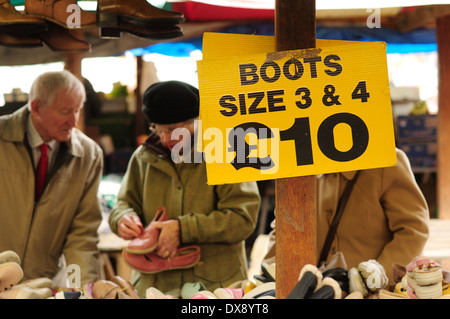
column 35, row 139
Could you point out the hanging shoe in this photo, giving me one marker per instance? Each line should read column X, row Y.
column 186, row 257
column 25, row 41
column 138, row 12
column 59, row 39
column 153, row 33
column 62, row 12
column 15, row 23
column 146, row 243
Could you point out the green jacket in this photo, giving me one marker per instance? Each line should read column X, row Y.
column 217, row 218
column 65, row 219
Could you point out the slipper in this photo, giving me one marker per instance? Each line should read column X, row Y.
column 147, row 242
column 9, row 256
column 308, row 280
column 126, row 286
column 154, row 293
column 328, row 288
column 189, row 289
column 356, row 282
column 105, row 289
column 373, row 274
column 385, row 294
column 204, row 294
column 229, row 293
column 42, row 282
column 10, row 274
column 186, row 257
column 25, row 292
column 267, row 289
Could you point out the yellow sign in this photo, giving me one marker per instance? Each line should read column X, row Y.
column 269, row 115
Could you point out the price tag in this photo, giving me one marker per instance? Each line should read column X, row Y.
column 268, row 115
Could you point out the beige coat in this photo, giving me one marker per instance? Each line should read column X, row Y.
column 386, row 217
column 217, row 218
column 65, row 219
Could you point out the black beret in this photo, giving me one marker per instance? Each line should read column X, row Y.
column 170, row 102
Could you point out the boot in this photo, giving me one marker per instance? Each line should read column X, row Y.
column 15, row 23
column 138, row 12
column 59, row 39
column 56, row 12
column 156, row 33
column 25, row 41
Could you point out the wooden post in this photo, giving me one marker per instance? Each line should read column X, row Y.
column 73, row 64
column 443, row 152
column 295, row 198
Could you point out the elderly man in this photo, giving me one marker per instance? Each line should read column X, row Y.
column 49, row 178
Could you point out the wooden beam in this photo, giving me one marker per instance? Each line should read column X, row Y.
column 295, row 198
column 423, row 16
column 443, row 152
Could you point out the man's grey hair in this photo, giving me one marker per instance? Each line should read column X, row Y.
column 46, row 85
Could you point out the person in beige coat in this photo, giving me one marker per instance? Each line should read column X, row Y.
column 63, row 221
column 217, row 218
column 386, row 217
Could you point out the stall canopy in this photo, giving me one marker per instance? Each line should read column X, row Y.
column 406, row 26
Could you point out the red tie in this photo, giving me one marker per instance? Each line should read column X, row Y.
column 41, row 170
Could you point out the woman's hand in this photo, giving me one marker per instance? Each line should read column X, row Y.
column 169, row 238
column 130, row 227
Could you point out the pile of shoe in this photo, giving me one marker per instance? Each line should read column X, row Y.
column 11, row 284
column 422, row 278
column 196, row 290
column 140, row 252
column 57, row 22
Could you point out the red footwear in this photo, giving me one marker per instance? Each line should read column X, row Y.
column 146, row 243
column 151, row 263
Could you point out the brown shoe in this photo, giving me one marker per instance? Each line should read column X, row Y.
column 59, row 12
column 153, row 33
column 59, row 39
column 138, row 12
column 105, row 289
column 126, row 286
column 15, row 23
column 25, row 41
